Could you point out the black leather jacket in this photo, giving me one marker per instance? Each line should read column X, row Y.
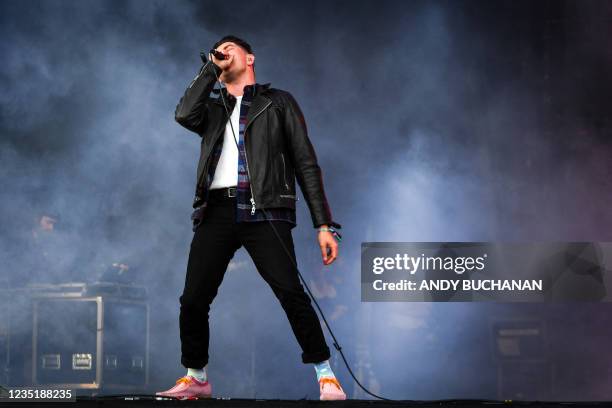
column 277, row 146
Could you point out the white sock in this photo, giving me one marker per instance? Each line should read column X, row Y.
column 323, row 369
column 198, row 373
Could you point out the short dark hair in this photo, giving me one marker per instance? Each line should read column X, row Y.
column 238, row 41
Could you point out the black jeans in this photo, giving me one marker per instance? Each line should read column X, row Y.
column 214, row 243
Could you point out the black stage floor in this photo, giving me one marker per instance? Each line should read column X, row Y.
column 147, row 400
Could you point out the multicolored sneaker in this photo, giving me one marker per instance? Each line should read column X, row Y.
column 188, row 388
column 331, row 389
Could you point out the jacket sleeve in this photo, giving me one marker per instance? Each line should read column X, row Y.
column 307, row 170
column 192, row 109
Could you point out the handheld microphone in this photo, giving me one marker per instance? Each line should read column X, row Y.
column 218, row 54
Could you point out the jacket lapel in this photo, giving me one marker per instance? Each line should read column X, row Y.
column 258, row 105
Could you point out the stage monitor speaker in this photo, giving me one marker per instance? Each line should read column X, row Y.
column 519, row 339
column 523, row 369
column 90, row 342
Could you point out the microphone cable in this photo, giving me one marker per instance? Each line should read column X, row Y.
column 335, row 341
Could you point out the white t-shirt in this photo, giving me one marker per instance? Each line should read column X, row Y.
column 226, row 172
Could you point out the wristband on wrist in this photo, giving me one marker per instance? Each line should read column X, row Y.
column 335, row 233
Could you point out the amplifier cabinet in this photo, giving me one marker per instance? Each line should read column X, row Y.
column 91, row 342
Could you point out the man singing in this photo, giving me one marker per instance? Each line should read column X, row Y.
column 250, row 156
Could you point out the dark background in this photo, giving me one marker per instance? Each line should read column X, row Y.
column 432, row 121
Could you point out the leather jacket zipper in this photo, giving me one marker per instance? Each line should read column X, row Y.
column 284, row 174
column 285, row 180
column 247, row 159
